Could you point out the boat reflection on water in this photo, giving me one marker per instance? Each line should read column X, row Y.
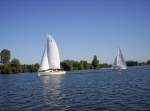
column 52, row 89
column 120, row 71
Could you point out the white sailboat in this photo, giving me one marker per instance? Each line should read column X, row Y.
column 119, row 62
column 50, row 63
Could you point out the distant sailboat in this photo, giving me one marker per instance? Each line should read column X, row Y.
column 50, row 63
column 119, row 62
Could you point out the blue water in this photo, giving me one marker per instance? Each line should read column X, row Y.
column 98, row 90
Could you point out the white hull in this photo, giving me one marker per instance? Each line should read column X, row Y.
column 46, row 73
column 119, row 68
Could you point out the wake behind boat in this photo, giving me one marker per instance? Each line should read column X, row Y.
column 50, row 63
column 119, row 62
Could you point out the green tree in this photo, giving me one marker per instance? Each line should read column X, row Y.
column 131, row 63
column 15, row 62
column 5, row 69
column 80, row 65
column 24, row 68
column 74, row 64
column 15, row 66
column 36, row 66
column 5, row 56
column 104, row 65
column 83, row 64
column 95, row 62
column 66, row 65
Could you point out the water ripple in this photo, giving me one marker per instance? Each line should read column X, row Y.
column 100, row 90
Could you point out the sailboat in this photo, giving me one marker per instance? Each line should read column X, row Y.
column 50, row 62
column 119, row 62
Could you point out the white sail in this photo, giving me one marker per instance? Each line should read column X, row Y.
column 44, row 61
column 119, row 62
column 115, row 61
column 53, row 53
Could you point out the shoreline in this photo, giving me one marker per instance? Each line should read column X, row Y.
column 83, row 70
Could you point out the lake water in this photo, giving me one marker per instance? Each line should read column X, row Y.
column 98, row 90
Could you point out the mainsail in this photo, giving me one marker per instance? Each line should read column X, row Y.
column 53, row 53
column 119, row 62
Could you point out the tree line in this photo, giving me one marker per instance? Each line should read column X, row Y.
column 136, row 63
column 8, row 66
column 14, row 66
column 83, row 64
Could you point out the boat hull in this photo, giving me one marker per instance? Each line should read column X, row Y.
column 46, row 73
column 119, row 68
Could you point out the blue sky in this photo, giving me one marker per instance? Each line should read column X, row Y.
column 82, row 28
